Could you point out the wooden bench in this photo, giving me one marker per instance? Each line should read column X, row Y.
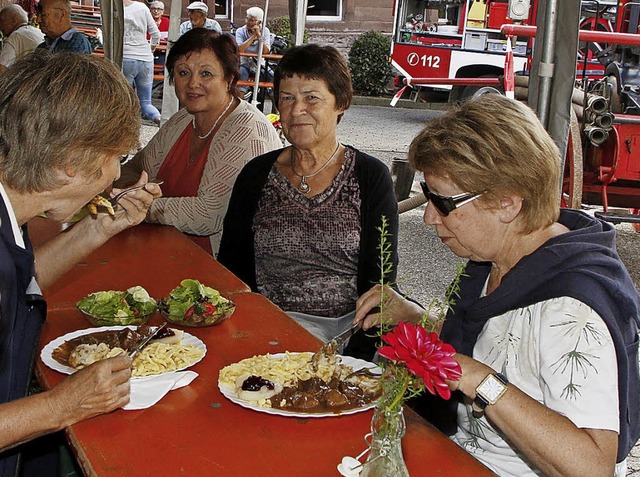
column 250, row 83
column 86, row 19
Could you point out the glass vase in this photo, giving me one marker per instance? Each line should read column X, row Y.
column 385, row 458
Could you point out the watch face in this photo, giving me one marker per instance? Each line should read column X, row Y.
column 491, row 389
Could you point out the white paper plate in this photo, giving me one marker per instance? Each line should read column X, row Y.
column 230, row 393
column 47, row 352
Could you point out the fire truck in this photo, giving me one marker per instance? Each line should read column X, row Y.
column 464, row 44
column 460, row 42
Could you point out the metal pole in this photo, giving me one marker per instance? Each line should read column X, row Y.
column 170, row 102
column 547, row 66
column 297, row 17
column 256, row 85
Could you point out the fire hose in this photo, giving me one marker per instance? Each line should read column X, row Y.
column 592, row 111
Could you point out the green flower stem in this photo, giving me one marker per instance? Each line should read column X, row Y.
column 399, row 398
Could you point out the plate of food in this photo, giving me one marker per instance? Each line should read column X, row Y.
column 193, row 304
column 172, row 350
column 133, row 306
column 299, row 385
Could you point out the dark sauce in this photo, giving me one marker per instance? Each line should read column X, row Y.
column 254, row 383
column 126, row 338
column 315, row 395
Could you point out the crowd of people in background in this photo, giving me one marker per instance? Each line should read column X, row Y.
column 30, row 24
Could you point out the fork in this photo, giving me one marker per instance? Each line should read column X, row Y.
column 119, row 195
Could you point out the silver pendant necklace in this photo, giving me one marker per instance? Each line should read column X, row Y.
column 304, row 187
column 193, row 121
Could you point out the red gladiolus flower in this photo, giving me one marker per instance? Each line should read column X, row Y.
column 424, row 355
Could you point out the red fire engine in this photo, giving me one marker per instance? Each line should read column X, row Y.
column 460, row 42
column 463, row 44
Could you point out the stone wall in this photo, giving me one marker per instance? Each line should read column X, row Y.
column 341, row 40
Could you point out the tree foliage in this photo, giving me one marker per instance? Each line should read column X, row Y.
column 369, row 63
column 281, row 26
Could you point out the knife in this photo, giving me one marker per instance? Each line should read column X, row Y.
column 144, row 342
column 346, row 335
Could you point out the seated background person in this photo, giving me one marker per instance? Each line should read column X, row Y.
column 19, row 36
column 545, row 300
column 198, row 12
column 302, row 222
column 52, row 161
column 201, row 149
column 54, row 18
column 248, row 38
column 157, row 12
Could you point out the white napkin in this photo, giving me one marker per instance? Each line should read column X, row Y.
column 145, row 392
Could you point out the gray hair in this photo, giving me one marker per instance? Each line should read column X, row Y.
column 255, row 12
column 15, row 13
column 63, row 112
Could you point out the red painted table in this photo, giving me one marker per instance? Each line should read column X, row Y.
column 195, row 430
column 154, row 256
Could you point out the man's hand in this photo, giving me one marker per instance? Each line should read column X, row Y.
column 56, row 256
column 96, row 389
column 132, row 208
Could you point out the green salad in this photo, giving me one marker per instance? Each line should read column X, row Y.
column 193, row 303
column 118, row 307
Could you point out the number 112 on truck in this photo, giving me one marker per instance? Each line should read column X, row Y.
column 457, row 42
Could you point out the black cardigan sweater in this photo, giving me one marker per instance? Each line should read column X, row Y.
column 377, row 199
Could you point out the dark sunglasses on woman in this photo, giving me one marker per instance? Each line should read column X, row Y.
column 445, row 205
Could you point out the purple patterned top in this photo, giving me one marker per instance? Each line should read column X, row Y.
column 307, row 248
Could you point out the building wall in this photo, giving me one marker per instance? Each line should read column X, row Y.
column 358, row 16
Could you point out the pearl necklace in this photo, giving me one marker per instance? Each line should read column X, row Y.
column 193, row 121
column 304, row 187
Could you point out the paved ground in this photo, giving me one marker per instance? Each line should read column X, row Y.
column 426, row 266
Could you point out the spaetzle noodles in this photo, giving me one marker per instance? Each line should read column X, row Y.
column 157, row 358
column 286, row 370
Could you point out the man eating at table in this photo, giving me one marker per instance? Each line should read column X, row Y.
column 65, row 122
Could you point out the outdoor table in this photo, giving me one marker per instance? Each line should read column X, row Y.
column 195, row 430
column 155, row 257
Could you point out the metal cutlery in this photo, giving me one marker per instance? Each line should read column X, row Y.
column 342, row 338
column 144, row 342
column 115, row 198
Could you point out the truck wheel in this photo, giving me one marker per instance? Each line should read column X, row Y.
column 474, row 91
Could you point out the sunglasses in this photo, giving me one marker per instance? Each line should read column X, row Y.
column 445, row 205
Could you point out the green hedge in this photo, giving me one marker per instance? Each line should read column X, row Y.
column 281, row 26
column 369, row 64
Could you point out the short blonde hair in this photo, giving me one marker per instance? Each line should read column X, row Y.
column 60, row 112
column 498, row 146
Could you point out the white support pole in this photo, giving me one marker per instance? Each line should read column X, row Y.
column 256, row 85
column 169, row 98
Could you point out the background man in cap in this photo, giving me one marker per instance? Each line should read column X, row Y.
column 19, row 36
column 198, row 19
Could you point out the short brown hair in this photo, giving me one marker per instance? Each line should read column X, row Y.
column 316, row 62
column 63, row 111
column 494, row 145
column 222, row 45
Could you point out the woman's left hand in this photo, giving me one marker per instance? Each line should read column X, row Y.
column 473, row 372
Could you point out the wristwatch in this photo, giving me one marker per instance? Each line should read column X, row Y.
column 488, row 392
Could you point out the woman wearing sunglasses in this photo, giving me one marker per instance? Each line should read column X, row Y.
column 546, row 321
